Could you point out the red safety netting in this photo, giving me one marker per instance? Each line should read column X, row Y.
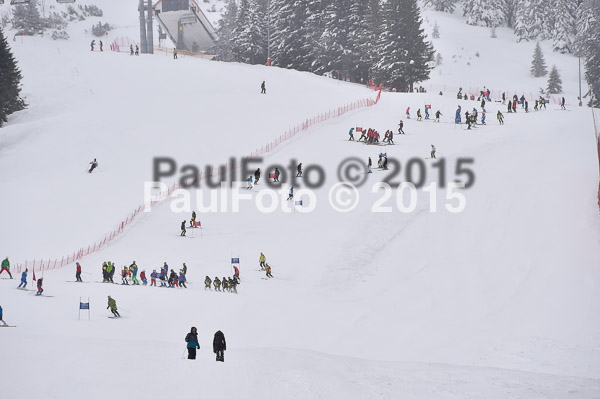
column 42, row 264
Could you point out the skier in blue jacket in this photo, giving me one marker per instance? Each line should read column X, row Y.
column 23, row 279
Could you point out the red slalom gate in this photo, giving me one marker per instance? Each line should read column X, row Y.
column 92, row 248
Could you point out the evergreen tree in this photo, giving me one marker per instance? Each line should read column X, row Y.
column 224, row 46
column 361, row 38
column 538, row 64
column 534, row 19
column 249, row 38
column 564, row 26
column 436, row 31
column 590, row 48
column 335, row 41
column 554, row 82
column 288, row 35
column 27, row 18
column 510, row 14
column 441, row 5
column 404, row 55
column 10, row 82
column 484, row 13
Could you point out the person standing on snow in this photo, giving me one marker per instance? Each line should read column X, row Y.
column 182, row 280
column 112, row 304
column 408, row 113
column 419, row 114
column 291, row 194
column 219, row 346
column 182, row 229
column 426, row 113
column 192, row 343
column 23, row 279
column 236, row 272
column 249, row 180
column 400, row 126
column 277, row 174
column 92, row 44
column 437, row 116
column 263, row 88
column 131, row 49
column 133, row 269
column 78, row 273
column 6, row 266
column 483, row 116
column 562, row 104
column 144, row 279
column 101, row 46
column 207, row 283
column 174, row 53
column 500, row 118
column 351, row 133
column 1, row 320
column 94, row 164
column 217, row 284
column 299, row 169
column 433, row 151
column 193, row 219
column 137, row 50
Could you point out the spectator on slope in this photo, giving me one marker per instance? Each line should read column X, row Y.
column 137, row 50
column 299, row 169
column 92, row 44
column 78, row 273
column 503, row 98
column 6, row 267
column 217, row 284
column 514, row 106
column 483, row 103
column 509, row 109
column 23, row 279
column 112, row 304
column 468, row 120
column 111, row 271
column 457, row 119
column 101, row 46
column 256, row 176
column 437, row 116
column 104, row 272
column 192, row 343
column 562, row 104
column 1, row 319
column 219, row 346
column 174, row 53
column 263, row 88
column 153, row 276
column 39, row 286
column 433, row 151
column 124, row 274
column 351, row 133
column 133, row 269
column 419, row 114
column 182, row 229
column 94, row 164
column 207, row 283
column 522, row 100
column 131, row 49
column 500, row 118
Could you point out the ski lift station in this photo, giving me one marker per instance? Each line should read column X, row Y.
column 185, row 24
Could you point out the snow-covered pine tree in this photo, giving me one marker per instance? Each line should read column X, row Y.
column 249, row 38
column 361, row 38
column 564, row 25
column 590, row 49
column 534, row 20
column 538, row 64
column 484, row 13
column 288, row 47
column 335, row 41
column 436, row 31
column 441, row 5
column 405, row 56
column 27, row 18
column 584, row 18
column 10, row 82
column 554, row 82
column 224, row 46
column 510, row 12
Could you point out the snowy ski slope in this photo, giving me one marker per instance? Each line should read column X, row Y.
column 497, row 301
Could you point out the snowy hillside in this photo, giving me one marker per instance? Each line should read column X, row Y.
column 498, row 300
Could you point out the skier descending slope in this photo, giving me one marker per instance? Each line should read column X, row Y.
column 94, row 164
column 219, row 346
column 192, row 343
column 23, row 279
column 39, row 286
column 112, row 304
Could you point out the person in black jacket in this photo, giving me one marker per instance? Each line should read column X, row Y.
column 192, row 343
column 299, row 169
column 256, row 176
column 183, row 229
column 219, row 346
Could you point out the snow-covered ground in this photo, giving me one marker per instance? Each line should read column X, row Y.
column 497, row 301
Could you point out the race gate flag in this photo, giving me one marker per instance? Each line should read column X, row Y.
column 428, row 106
column 359, row 129
column 235, row 260
column 84, row 306
column 197, row 224
column 298, row 202
column 272, row 176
